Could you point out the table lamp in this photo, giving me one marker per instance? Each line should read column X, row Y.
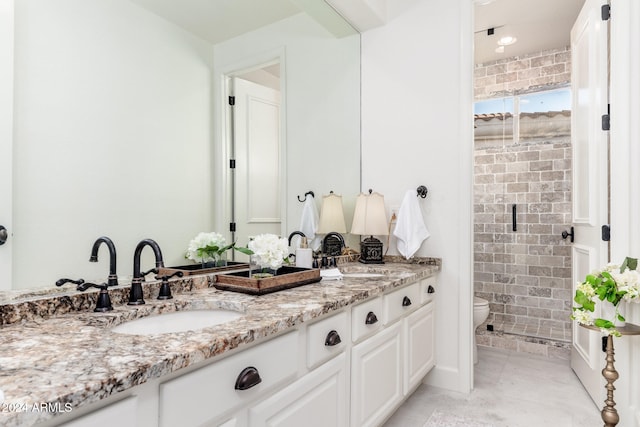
column 370, row 218
column 332, row 223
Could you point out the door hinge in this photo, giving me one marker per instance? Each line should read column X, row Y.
column 605, row 12
column 232, row 163
column 606, row 233
column 232, row 100
column 232, row 227
column 606, row 119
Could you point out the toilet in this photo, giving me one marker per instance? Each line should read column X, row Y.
column 480, row 314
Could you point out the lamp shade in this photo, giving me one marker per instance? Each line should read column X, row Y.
column 370, row 217
column 331, row 215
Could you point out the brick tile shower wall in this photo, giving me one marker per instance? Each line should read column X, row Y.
column 525, row 275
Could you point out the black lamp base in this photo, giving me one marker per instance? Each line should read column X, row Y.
column 371, row 251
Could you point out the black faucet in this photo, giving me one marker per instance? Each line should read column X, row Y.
column 295, row 233
column 113, row 277
column 135, row 295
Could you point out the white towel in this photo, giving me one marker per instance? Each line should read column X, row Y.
column 410, row 229
column 330, row 274
column 309, row 222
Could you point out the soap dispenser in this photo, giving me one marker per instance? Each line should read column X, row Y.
column 304, row 254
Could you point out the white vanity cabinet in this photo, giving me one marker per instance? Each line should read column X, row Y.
column 350, row 368
column 318, row 399
column 376, row 377
column 389, row 365
column 201, row 396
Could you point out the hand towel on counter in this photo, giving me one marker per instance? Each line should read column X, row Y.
column 410, row 229
column 330, row 274
column 309, row 222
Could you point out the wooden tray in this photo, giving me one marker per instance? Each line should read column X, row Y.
column 285, row 278
column 191, row 269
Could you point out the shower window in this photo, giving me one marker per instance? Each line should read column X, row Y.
column 541, row 116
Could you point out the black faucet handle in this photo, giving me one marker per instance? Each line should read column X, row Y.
column 61, row 282
column 164, row 278
column 144, row 273
column 86, row 285
column 103, row 302
column 165, row 289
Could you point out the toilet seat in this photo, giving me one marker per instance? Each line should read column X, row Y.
column 479, row 302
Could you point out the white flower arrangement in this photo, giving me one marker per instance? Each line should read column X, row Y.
column 612, row 284
column 269, row 250
column 207, row 247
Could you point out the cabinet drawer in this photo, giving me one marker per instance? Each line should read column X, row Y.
column 428, row 288
column 122, row 414
column 199, row 396
column 400, row 302
column 327, row 338
column 366, row 319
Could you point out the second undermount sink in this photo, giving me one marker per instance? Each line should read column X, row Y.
column 178, row 321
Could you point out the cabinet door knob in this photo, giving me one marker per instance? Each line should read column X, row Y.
column 430, row 290
column 4, row 235
column 371, row 318
column 249, row 377
column 406, row 302
column 333, row 338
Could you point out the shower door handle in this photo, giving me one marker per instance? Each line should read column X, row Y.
column 566, row 234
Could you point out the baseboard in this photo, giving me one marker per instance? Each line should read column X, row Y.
column 447, row 378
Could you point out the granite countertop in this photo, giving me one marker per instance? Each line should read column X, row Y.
column 73, row 359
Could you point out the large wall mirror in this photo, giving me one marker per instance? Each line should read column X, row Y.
column 118, row 125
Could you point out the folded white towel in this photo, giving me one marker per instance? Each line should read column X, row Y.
column 330, row 274
column 410, row 229
column 309, row 222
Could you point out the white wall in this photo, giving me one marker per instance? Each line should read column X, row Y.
column 6, row 136
column 321, row 98
column 417, row 129
column 112, row 136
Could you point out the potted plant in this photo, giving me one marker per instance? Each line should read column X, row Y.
column 611, row 285
column 269, row 252
column 210, row 249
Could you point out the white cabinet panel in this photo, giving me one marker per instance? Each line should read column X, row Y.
column 399, row 303
column 419, row 347
column 366, row 319
column 326, row 338
column 202, row 395
column 376, row 377
column 121, row 414
column 319, row 399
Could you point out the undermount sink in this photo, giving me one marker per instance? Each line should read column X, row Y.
column 178, row 321
column 363, row 274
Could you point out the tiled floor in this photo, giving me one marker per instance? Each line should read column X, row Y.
column 511, row 390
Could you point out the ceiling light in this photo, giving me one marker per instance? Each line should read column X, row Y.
column 507, row 40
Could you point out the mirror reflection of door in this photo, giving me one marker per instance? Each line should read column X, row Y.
column 256, row 195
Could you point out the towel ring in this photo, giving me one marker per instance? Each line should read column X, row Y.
column 305, row 196
column 422, row 191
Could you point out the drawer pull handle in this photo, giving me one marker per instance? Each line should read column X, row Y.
column 371, row 318
column 406, row 302
column 249, row 377
column 333, row 338
column 430, row 290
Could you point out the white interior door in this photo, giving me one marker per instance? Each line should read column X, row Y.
column 6, row 138
column 590, row 177
column 258, row 157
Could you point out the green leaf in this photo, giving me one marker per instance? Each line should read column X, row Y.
column 630, row 263
column 584, row 301
column 602, row 323
column 245, row 251
column 621, row 318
